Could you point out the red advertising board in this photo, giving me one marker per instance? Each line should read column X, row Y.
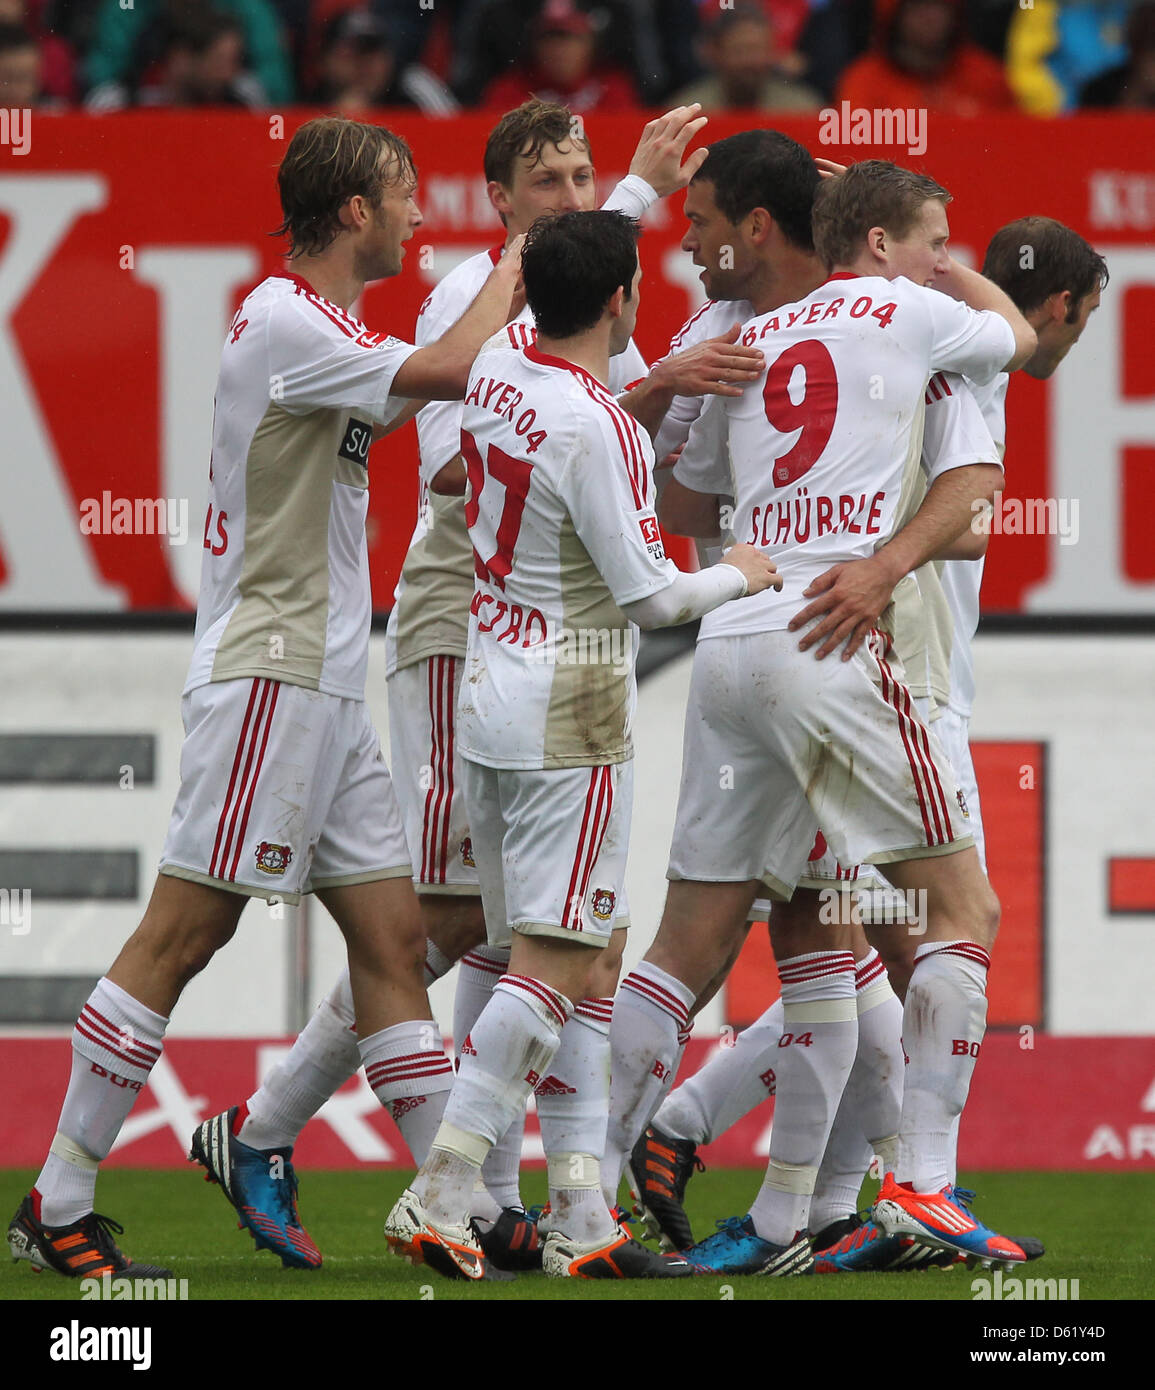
column 1037, row 1102
column 127, row 241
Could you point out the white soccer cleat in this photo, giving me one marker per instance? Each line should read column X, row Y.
column 451, row 1250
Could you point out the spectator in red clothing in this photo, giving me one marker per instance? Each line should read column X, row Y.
column 922, row 59
column 54, row 58
column 562, row 66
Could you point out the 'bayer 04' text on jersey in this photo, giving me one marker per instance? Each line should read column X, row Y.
column 820, row 444
column 431, row 602
column 284, row 589
column 561, row 518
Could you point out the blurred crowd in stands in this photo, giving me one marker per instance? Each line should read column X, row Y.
column 960, row 57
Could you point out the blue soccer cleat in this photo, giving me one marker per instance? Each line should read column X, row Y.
column 855, row 1246
column 944, row 1220
column 261, row 1186
column 735, row 1248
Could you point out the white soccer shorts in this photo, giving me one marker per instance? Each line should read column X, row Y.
column 778, row 743
column 954, row 732
column 551, row 849
column 428, row 774
column 283, row 791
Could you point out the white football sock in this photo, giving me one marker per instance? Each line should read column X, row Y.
column 508, row 1051
column 481, row 968
column 944, row 1023
column 572, row 1105
column 115, row 1043
column 868, row 1116
column 735, row 1080
column 411, row 1076
column 815, row 1055
column 650, row 1021
column 319, row 1063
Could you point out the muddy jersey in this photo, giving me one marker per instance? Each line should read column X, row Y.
column 561, row 519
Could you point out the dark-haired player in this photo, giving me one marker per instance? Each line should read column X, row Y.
column 567, row 549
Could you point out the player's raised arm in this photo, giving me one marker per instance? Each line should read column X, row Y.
column 440, row 371
column 658, row 158
column 976, row 291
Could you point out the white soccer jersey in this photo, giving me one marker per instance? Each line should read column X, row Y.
column 954, row 436
column 284, row 589
column 431, row 600
column 962, row 579
column 561, row 518
column 820, row 445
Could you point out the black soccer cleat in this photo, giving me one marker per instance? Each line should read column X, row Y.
column 619, row 1257
column 511, row 1242
column 84, row 1249
column 657, row 1173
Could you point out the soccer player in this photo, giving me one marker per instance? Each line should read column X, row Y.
column 749, row 210
column 283, row 787
column 835, row 744
column 567, row 550
column 1057, row 289
column 537, row 162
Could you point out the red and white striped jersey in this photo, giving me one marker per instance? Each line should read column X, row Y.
column 561, row 518
column 284, row 589
column 820, row 445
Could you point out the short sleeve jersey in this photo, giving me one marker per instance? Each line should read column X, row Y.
column 284, row 589
column 561, row 518
column 820, row 445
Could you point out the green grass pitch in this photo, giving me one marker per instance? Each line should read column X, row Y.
column 1088, row 1222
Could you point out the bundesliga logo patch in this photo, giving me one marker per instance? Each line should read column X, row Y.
column 603, row 904
column 273, row 859
column 652, row 536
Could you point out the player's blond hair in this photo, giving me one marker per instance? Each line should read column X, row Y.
column 874, row 193
column 330, row 160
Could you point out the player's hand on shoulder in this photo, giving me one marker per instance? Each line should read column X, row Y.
column 759, row 571
column 714, row 367
column 658, row 157
column 848, row 599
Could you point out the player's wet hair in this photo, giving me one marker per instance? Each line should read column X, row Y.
column 573, row 263
column 1033, row 258
column 874, row 193
column 763, row 169
column 525, row 132
column 329, row 161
